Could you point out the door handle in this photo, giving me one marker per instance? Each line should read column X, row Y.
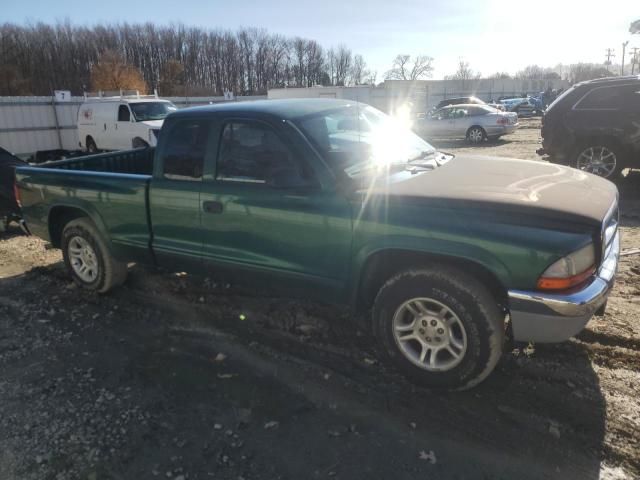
column 212, row 206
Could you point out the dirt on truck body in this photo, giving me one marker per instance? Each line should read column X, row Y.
column 178, row 377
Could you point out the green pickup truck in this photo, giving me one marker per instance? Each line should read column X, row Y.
column 335, row 201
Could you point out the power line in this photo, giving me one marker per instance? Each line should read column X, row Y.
column 610, row 54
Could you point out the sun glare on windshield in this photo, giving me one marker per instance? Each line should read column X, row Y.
column 358, row 139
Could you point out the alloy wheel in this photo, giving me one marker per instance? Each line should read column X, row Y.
column 476, row 135
column 83, row 259
column 429, row 334
column 599, row 160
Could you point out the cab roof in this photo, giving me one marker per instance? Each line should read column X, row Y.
column 287, row 109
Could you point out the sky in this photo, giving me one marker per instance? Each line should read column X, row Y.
column 492, row 35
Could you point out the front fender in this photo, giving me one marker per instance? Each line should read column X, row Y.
column 433, row 247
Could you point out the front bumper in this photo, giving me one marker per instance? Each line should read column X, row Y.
column 550, row 318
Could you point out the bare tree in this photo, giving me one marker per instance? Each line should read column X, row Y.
column 536, row 72
column 343, row 60
column 405, row 69
column 359, row 72
column 500, row 76
column 464, row 72
column 580, row 72
column 37, row 58
column 112, row 73
column 172, row 79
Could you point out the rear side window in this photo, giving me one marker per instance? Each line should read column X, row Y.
column 476, row 111
column 185, row 150
column 602, row 98
column 442, row 114
column 460, row 113
column 124, row 115
column 252, row 152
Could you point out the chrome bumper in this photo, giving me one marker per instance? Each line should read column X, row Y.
column 550, row 318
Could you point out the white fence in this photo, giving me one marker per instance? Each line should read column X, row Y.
column 30, row 124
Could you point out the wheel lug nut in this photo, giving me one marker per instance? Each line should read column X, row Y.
column 433, row 323
column 424, row 323
column 440, row 331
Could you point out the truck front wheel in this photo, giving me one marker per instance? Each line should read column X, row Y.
column 89, row 261
column 440, row 326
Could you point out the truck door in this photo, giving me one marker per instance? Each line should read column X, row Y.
column 262, row 210
column 174, row 198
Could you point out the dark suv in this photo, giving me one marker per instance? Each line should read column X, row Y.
column 595, row 126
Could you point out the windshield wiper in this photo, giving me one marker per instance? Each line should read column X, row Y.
column 425, row 154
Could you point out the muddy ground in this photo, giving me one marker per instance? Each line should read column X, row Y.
column 190, row 378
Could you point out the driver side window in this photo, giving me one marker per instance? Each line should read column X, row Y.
column 252, row 152
column 124, row 114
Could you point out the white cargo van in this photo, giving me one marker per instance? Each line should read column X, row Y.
column 121, row 122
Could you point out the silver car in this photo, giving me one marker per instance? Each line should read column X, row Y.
column 476, row 123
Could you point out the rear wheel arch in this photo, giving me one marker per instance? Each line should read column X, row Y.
column 381, row 265
column 60, row 215
column 90, row 144
column 139, row 142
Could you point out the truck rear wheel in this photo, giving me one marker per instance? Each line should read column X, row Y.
column 440, row 326
column 88, row 259
column 91, row 145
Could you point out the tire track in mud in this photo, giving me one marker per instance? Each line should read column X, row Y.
column 523, row 397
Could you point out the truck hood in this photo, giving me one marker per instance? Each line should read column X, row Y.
column 153, row 123
column 497, row 184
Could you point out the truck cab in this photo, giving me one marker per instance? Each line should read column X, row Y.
column 121, row 122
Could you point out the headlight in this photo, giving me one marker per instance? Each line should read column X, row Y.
column 569, row 271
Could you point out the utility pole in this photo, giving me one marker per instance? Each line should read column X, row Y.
column 624, row 46
column 634, row 59
column 609, row 55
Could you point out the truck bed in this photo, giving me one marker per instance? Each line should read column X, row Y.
column 111, row 188
column 135, row 162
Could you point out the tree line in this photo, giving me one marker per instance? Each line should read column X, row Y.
column 39, row 58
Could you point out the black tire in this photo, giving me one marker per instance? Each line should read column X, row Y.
column 91, row 145
column 476, row 135
column 139, row 143
column 472, row 304
column 597, row 148
column 110, row 272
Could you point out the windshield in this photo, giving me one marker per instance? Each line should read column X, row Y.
column 358, row 139
column 143, row 111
